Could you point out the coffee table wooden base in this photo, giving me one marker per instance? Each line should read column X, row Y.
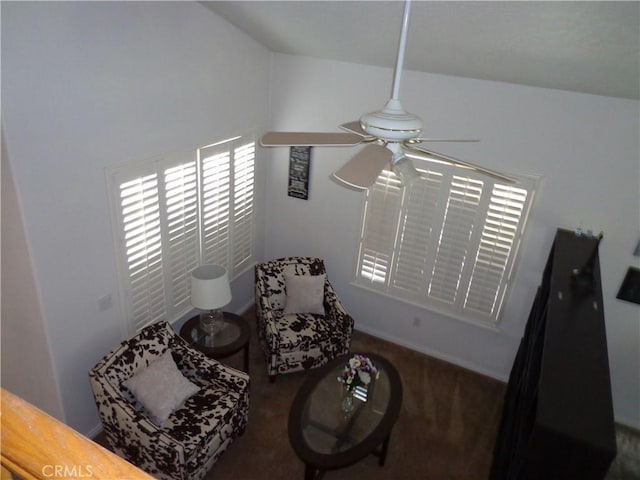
column 313, row 473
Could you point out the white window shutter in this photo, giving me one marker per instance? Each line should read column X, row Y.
column 215, row 217
column 180, row 212
column 243, row 206
column 414, row 257
column 498, row 240
column 453, row 245
column 380, row 227
column 228, row 218
column 175, row 213
column 447, row 242
column 142, row 242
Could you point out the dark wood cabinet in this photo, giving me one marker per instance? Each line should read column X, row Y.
column 557, row 420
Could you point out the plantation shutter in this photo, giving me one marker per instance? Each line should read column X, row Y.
column 175, row 213
column 414, row 246
column 227, row 205
column 446, row 242
column 379, row 231
column 138, row 199
column 498, row 240
column 180, row 221
column 243, row 211
column 454, row 245
column 216, row 185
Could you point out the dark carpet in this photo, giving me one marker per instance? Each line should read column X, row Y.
column 445, row 431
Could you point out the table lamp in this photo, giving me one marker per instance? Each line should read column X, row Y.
column 210, row 291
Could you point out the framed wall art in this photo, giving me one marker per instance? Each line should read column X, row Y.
column 299, row 165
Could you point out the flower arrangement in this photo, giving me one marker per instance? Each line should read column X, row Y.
column 357, row 372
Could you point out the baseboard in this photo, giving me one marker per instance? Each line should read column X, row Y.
column 435, row 353
column 418, row 348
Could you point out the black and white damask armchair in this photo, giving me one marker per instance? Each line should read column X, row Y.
column 301, row 322
column 177, row 435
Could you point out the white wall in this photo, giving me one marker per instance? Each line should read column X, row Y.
column 88, row 85
column 24, row 335
column 585, row 147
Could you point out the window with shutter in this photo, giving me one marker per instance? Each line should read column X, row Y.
column 142, row 241
column 448, row 242
column 380, row 225
column 242, row 254
column 216, row 189
column 180, row 210
column 175, row 213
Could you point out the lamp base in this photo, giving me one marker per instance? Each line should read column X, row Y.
column 210, row 321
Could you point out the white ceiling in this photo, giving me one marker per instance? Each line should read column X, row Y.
column 589, row 47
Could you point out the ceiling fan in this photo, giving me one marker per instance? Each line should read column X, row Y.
column 391, row 135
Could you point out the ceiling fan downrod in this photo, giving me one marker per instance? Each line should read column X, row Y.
column 393, row 123
column 395, row 94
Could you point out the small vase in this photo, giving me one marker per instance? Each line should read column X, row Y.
column 347, row 401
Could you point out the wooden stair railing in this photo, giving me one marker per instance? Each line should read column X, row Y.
column 35, row 445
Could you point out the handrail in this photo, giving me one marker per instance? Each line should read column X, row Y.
column 36, row 446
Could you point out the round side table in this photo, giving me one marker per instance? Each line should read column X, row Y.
column 231, row 336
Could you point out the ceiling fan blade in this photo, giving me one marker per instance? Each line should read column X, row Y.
column 356, row 127
column 449, row 140
column 440, row 158
column 364, row 167
column 310, row 139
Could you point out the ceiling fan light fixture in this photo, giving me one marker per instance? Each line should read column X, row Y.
column 390, row 135
column 404, row 169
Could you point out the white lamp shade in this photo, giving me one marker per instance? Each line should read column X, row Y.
column 210, row 287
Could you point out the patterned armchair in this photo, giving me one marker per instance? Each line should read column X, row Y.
column 189, row 442
column 298, row 341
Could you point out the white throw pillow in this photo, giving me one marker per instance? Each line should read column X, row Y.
column 161, row 388
column 305, row 293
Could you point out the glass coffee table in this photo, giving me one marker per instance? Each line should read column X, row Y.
column 324, row 437
column 232, row 335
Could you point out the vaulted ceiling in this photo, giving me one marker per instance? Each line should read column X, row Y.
column 588, row 47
